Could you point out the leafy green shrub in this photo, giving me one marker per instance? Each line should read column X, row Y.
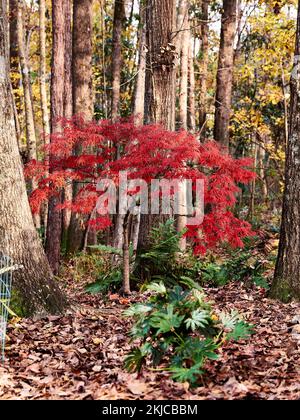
column 178, row 327
column 95, row 270
column 242, row 266
column 162, row 262
column 110, row 281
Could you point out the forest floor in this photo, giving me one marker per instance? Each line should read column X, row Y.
column 80, row 355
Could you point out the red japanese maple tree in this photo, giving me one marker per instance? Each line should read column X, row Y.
column 146, row 152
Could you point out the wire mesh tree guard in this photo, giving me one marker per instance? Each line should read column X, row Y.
column 6, row 274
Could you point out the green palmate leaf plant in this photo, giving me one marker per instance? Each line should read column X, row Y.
column 178, row 329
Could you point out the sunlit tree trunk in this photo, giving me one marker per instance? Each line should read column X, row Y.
column 286, row 284
column 18, row 238
column 203, row 68
column 225, row 72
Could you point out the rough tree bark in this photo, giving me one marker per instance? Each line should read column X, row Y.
column 184, row 29
column 119, row 14
column 29, row 113
column 18, row 238
column 203, row 68
column 160, row 79
column 225, row 72
column 54, row 226
column 286, row 284
column 161, row 58
column 82, row 96
column 14, row 61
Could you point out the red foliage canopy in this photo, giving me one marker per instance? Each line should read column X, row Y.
column 147, row 152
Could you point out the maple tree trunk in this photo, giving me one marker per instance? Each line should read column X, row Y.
column 119, row 14
column 225, row 72
column 286, row 284
column 54, row 225
column 29, row 114
column 82, row 96
column 184, row 64
column 203, row 69
column 18, row 237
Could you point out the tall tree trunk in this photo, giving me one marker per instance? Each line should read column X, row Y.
column 225, row 72
column 29, row 114
column 54, row 226
column 184, row 64
column 14, row 61
column 203, row 69
column 43, row 73
column 286, row 284
column 68, row 95
column 68, row 101
column 18, row 237
column 139, row 99
column 82, row 58
column 192, row 87
column 82, row 96
column 162, row 57
column 160, row 79
column 119, row 15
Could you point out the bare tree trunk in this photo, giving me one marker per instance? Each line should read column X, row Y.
column 29, row 115
column 192, row 87
column 14, row 61
column 139, row 100
column 225, row 72
column 82, row 58
column 68, row 96
column 286, row 284
column 204, row 69
column 119, row 14
column 82, row 96
column 160, row 79
column 162, row 57
column 184, row 64
column 54, row 226
column 68, row 101
column 43, row 73
column 18, row 238
column 126, row 256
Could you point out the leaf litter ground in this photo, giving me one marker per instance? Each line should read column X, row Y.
column 80, row 355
